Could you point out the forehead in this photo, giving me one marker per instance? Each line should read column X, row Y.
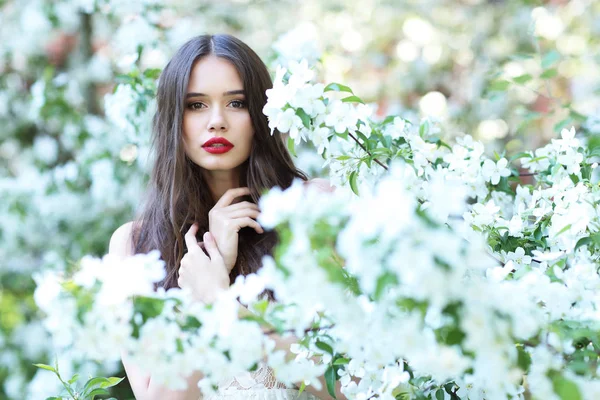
column 214, row 75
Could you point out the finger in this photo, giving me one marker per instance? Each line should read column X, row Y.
column 248, row 212
column 241, row 205
column 211, row 247
column 247, row 221
column 203, row 247
column 180, row 278
column 231, row 194
column 190, row 237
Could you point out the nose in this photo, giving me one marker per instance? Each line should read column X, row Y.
column 217, row 121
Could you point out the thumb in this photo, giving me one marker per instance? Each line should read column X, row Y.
column 211, row 247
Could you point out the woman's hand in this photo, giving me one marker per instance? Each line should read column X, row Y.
column 225, row 221
column 204, row 275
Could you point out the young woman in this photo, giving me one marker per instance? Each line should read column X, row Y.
column 214, row 157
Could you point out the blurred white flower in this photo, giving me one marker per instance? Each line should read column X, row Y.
column 492, row 171
column 118, row 107
column 518, row 258
column 302, row 42
column 136, row 31
column 45, row 149
column 340, row 116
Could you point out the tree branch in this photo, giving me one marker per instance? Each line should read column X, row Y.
column 365, row 149
column 87, row 51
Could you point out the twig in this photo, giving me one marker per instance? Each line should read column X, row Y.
column 305, row 331
column 365, row 149
column 57, row 373
column 527, row 174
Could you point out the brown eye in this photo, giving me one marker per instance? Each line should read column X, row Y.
column 195, row 106
column 238, row 104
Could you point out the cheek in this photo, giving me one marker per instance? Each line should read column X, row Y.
column 187, row 126
column 249, row 129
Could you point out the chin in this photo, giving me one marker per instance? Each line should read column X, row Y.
column 220, row 165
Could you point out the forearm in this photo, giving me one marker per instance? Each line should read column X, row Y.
column 284, row 343
column 156, row 391
column 146, row 388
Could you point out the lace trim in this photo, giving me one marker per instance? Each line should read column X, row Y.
column 259, row 385
column 261, row 394
column 262, row 378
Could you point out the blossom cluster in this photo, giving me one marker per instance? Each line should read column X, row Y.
column 545, row 235
column 388, row 289
column 447, row 276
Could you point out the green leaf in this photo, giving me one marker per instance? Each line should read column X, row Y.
column 337, row 87
column 550, row 58
column 454, row 336
column 343, row 157
column 302, row 387
column 385, row 280
column 330, row 378
column 73, row 379
column 523, row 359
column 439, row 394
column 574, row 178
column 353, row 184
column 387, row 141
column 563, row 124
column 424, row 128
column 191, row 323
column 353, row 99
column 362, row 137
column 499, row 86
column 325, row 347
column 261, row 306
column 549, row 73
column 152, row 73
column 98, row 385
column 520, row 155
column 388, row 119
column 304, row 117
column 92, row 384
column 98, row 392
column 341, row 361
column 521, row 79
column 592, row 239
column 113, row 381
column 577, row 116
column 46, row 367
column 563, row 230
column 291, row 146
column 565, row 389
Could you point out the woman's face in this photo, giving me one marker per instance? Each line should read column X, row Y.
column 216, row 109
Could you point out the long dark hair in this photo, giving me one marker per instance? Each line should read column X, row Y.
column 178, row 195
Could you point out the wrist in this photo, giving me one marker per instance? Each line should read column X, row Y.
column 209, row 296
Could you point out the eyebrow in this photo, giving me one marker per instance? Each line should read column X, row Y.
column 229, row 93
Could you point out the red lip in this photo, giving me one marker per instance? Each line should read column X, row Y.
column 224, row 145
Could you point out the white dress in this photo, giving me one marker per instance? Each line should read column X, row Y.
column 257, row 385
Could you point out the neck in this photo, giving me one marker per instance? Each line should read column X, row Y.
column 221, row 180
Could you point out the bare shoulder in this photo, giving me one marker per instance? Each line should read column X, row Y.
column 121, row 242
column 320, row 183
